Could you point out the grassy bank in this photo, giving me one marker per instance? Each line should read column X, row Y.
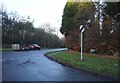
column 5, row 49
column 93, row 63
column 48, row 53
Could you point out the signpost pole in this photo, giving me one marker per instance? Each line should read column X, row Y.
column 81, row 44
column 81, row 40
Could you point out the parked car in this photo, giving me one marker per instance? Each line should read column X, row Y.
column 25, row 49
column 34, row 47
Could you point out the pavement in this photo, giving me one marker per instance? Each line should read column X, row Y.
column 34, row 66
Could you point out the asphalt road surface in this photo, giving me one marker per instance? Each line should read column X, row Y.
column 34, row 66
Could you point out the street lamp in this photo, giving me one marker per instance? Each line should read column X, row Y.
column 81, row 45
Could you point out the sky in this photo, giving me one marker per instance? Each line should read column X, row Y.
column 42, row 11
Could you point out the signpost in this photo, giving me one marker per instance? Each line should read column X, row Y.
column 81, row 45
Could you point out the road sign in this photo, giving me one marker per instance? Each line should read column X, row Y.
column 81, row 28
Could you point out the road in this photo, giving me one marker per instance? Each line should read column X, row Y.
column 34, row 66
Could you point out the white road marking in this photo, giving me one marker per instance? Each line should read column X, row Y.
column 2, row 60
column 12, row 58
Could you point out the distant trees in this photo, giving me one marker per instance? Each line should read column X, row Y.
column 22, row 31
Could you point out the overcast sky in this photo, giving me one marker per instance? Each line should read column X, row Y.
column 42, row 11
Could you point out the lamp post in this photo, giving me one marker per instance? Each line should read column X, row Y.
column 81, row 44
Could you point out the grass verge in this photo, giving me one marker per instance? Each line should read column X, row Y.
column 48, row 53
column 106, row 66
column 5, row 49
